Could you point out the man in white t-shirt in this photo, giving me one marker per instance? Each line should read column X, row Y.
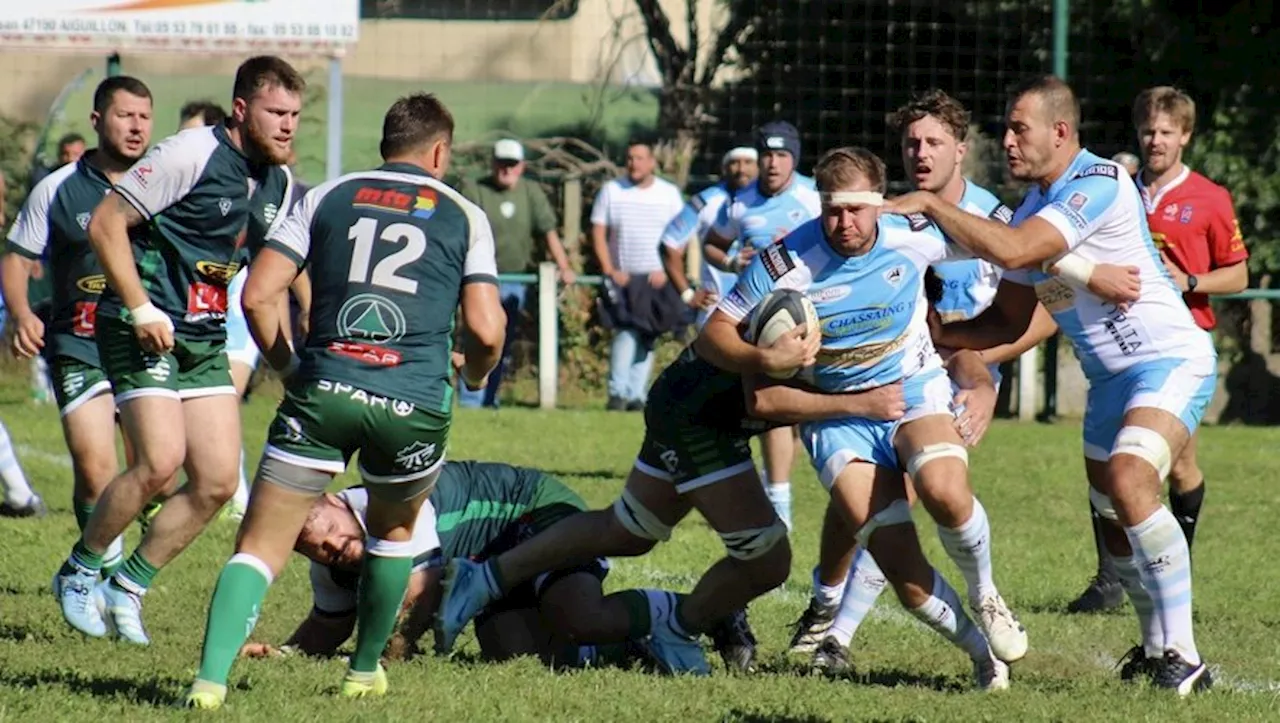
column 627, row 221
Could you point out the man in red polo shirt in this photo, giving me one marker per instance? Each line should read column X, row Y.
column 1194, row 225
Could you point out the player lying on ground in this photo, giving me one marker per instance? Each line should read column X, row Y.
column 375, row 376
column 1151, row 370
column 479, row 510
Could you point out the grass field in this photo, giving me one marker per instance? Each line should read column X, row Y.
column 1029, row 477
column 480, row 109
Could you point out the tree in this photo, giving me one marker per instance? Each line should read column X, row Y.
column 688, row 73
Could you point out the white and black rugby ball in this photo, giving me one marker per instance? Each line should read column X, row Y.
column 780, row 312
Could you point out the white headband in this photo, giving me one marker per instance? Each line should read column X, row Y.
column 853, row 198
column 744, row 153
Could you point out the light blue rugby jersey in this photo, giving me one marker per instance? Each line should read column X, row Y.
column 693, row 222
column 1098, row 210
column 698, row 214
column 754, row 218
column 969, row 287
column 872, row 307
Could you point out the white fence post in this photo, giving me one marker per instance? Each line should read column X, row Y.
column 548, row 336
column 1028, row 372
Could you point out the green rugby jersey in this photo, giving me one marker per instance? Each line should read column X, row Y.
column 204, row 201
column 477, row 503
column 388, row 252
column 693, row 391
column 53, row 224
column 475, row 506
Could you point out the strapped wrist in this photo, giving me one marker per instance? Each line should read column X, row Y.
column 148, row 314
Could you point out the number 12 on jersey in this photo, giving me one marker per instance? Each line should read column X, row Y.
column 364, row 234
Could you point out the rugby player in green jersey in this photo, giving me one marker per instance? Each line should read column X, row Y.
column 168, row 238
column 54, row 224
column 478, row 510
column 392, row 253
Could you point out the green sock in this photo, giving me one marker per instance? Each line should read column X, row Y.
column 109, row 570
column 232, row 614
column 82, row 558
column 383, row 581
column 135, row 574
column 84, row 510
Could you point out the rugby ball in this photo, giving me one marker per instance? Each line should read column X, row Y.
column 778, row 313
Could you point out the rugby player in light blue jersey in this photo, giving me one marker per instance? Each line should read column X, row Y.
column 778, row 202
column 739, row 167
column 863, row 272
column 1151, row 370
column 933, row 127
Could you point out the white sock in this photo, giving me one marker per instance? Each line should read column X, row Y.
column 114, row 555
column 1164, row 565
column 943, row 612
column 826, row 595
column 16, row 490
column 1148, row 621
column 969, row 546
column 779, row 492
column 865, row 584
column 241, row 497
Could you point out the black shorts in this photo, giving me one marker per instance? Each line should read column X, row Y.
column 526, row 596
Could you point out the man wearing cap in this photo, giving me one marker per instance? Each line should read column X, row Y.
column 519, row 213
column 767, row 210
column 739, row 168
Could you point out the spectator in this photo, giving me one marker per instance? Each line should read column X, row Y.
column 70, row 148
column 519, row 213
column 200, row 113
column 627, row 221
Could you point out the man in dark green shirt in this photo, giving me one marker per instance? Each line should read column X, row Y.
column 520, row 214
column 168, row 237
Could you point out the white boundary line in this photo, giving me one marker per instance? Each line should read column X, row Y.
column 26, row 451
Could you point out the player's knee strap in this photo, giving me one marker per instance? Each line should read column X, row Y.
column 753, row 543
column 292, row 476
column 397, row 492
column 1102, row 505
column 930, row 452
column 897, row 513
column 1147, row 444
column 389, row 548
column 638, row 520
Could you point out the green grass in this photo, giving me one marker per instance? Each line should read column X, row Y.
column 479, row 109
column 1029, row 477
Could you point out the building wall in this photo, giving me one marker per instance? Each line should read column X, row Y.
column 604, row 39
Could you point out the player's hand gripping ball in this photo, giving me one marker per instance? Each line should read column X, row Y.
column 780, row 312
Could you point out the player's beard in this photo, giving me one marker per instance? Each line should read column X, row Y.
column 265, row 145
column 118, row 156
